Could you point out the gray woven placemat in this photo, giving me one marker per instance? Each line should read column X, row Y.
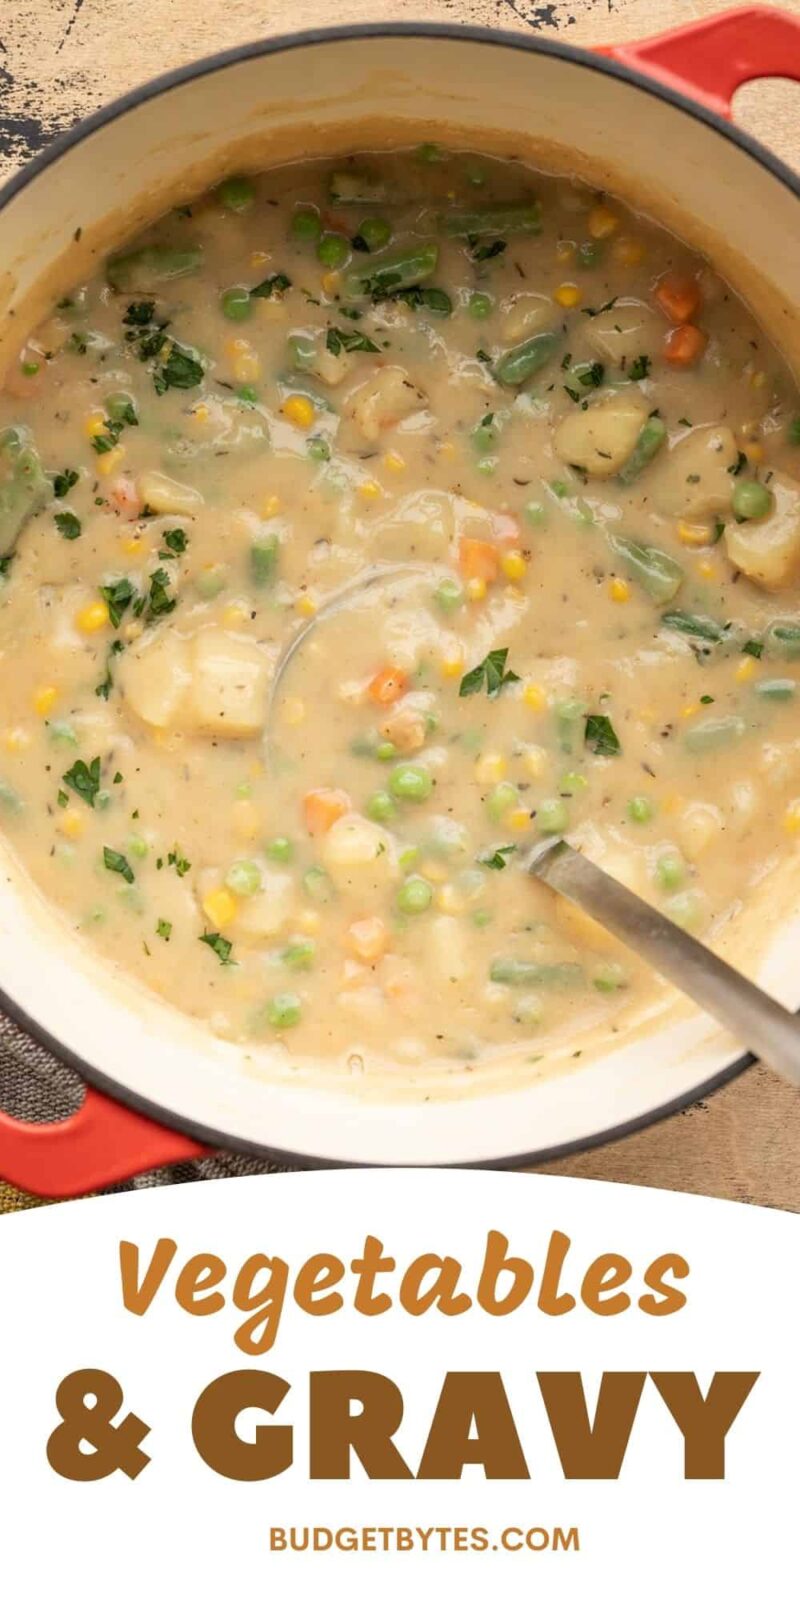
column 36, row 1087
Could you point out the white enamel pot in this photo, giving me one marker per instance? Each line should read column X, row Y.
column 650, row 122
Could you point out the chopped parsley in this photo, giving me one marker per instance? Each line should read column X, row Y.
column 158, row 602
column 601, row 736
column 485, row 252
column 104, row 688
column 639, row 368
column 64, row 481
column 276, row 284
column 339, row 339
column 739, row 463
column 69, row 526
column 140, row 313
column 220, row 946
column 497, row 860
column 84, row 780
column 753, row 647
column 177, row 860
column 176, row 542
column 180, row 370
column 490, row 674
column 118, row 597
column 164, row 929
column 118, row 863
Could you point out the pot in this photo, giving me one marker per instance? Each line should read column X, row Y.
column 650, row 121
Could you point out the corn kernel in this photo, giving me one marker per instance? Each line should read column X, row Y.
column 234, row 615
column 691, row 709
column 449, row 900
column 309, row 921
column 436, row 871
column 452, row 665
column 754, row 453
column 758, row 380
column 246, row 819
column 132, row 631
column 746, row 669
column 220, row 907
column 491, row 767
column 447, row 448
column 200, row 413
column 628, row 252
column 394, row 462
column 16, row 739
column 110, row 462
column 706, row 569
column 297, row 408
column 271, row 506
column 136, row 547
column 536, row 760
column 476, row 589
column 94, row 424
column 619, row 590
column 534, row 697
column 513, row 565
column 369, row 489
column 259, row 258
column 293, row 712
column 791, row 817
column 672, row 803
column 93, row 617
column 245, row 361
column 568, row 295
column 695, row 534
column 71, row 823
column 565, row 250
column 602, row 222
column 330, row 282
column 306, row 605
column 44, row 699
column 519, row 819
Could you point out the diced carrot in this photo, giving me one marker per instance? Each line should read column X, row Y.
column 124, row 496
column 678, row 296
column 368, row 939
column 479, row 559
column 323, row 807
column 684, row 346
column 387, row 686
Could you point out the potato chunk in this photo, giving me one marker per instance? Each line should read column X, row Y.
column 768, row 552
column 360, row 856
column 212, row 683
column 626, row 330
column 525, row 314
column 383, row 401
column 267, row 913
column 230, row 679
column 600, row 439
column 695, row 477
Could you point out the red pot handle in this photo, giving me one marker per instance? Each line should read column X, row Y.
column 101, row 1143
column 710, row 60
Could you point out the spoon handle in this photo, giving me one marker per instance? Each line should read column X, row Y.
column 762, row 1023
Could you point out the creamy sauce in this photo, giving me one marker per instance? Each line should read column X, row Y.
column 573, row 452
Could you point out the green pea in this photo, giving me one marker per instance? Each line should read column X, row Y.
column 429, row 153
column 375, row 232
column 62, row 734
column 284, row 1011
column 414, row 896
column 408, row 858
column 137, row 847
column 552, row 816
column 670, row 871
column 380, row 806
column 385, row 750
column 319, row 449
column 237, row 194
column 574, row 782
column 244, row 878
column 589, row 253
column 410, row 782
column 305, row 223
column 500, row 799
column 752, row 500
column 640, row 809
column 279, row 849
column 685, row 909
column 299, row 954
column 236, row 304
column 607, row 979
column 485, row 436
column 449, row 596
column 247, row 394
column 480, row 306
column 211, row 581
column 333, row 250
column 536, row 513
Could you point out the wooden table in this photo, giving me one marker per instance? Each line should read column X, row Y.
column 62, row 58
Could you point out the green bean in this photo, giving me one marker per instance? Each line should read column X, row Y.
column 284, row 1011
column 299, row 953
column 264, row 560
column 658, row 574
column 153, row 263
column 9, row 799
column 533, row 974
column 783, row 639
column 713, row 733
column 694, row 626
column 516, row 216
column 524, row 360
column 776, row 688
column 652, row 436
column 24, row 489
column 393, row 270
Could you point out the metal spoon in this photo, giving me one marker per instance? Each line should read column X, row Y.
column 767, row 1027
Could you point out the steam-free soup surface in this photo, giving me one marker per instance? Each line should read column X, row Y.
column 577, row 458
